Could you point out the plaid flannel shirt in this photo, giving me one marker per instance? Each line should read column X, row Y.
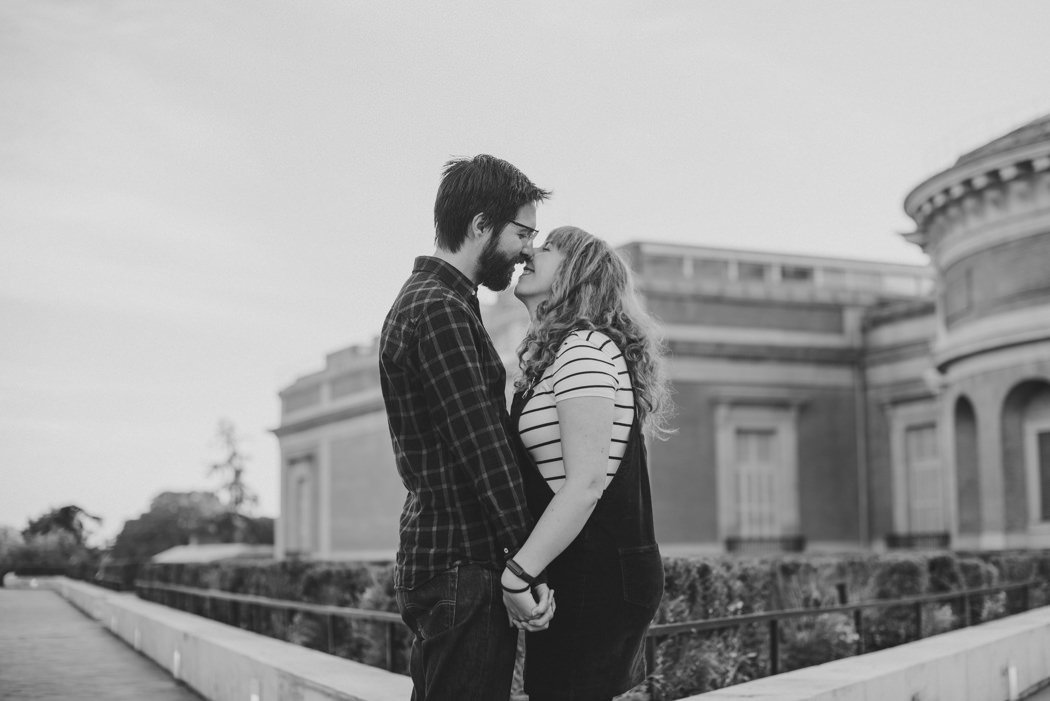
column 444, row 388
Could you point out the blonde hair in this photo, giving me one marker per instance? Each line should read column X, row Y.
column 593, row 289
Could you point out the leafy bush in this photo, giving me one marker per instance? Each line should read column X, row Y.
column 54, row 553
column 354, row 585
column 695, row 589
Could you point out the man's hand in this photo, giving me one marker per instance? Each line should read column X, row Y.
column 528, row 612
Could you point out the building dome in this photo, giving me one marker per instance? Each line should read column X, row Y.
column 985, row 222
column 979, row 177
column 1034, row 132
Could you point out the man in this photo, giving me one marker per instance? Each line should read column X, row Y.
column 444, row 388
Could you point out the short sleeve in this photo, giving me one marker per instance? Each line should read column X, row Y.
column 584, row 368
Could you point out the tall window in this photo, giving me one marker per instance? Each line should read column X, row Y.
column 756, row 447
column 756, row 470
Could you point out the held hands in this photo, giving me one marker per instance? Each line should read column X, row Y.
column 530, row 610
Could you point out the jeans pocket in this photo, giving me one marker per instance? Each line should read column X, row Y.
column 642, row 570
column 430, row 608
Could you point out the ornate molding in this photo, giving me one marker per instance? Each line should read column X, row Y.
column 959, row 182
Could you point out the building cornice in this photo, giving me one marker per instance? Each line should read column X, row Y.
column 761, row 353
column 362, row 408
column 983, row 175
column 763, row 256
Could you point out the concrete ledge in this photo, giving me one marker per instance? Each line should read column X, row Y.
column 994, row 661
column 223, row 663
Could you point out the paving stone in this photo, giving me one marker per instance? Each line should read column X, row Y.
column 49, row 651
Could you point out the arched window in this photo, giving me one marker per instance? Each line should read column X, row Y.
column 1026, row 455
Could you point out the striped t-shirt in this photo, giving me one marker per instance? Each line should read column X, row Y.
column 588, row 364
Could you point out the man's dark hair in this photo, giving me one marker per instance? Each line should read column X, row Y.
column 484, row 184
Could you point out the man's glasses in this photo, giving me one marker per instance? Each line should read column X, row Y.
column 526, row 237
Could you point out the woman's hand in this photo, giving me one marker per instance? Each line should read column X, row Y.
column 525, row 610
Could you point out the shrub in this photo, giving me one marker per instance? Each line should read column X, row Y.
column 49, row 554
column 355, row 585
column 695, row 589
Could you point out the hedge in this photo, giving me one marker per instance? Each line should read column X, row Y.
column 695, row 589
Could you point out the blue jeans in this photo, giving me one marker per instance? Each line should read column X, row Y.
column 464, row 646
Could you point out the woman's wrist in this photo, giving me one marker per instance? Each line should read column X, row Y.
column 515, row 568
column 517, row 578
column 512, row 583
column 510, row 579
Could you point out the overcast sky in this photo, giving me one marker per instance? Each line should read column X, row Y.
column 199, row 200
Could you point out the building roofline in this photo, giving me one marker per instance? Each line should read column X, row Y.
column 765, row 255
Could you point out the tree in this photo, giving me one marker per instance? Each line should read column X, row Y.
column 10, row 538
column 181, row 518
column 52, row 543
column 230, row 469
column 69, row 518
column 11, row 542
column 174, row 518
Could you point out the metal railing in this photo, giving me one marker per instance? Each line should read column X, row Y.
column 772, row 619
column 246, row 607
column 244, row 612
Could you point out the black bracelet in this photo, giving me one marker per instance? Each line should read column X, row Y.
column 520, row 573
column 524, row 589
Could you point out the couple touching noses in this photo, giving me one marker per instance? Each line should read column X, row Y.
column 540, row 516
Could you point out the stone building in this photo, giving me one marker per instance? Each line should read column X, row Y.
column 985, row 224
column 822, row 403
column 340, row 492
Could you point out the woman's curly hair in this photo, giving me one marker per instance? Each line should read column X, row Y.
column 593, row 289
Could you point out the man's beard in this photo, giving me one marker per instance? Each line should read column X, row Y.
column 494, row 269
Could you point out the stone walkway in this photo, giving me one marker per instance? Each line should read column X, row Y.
column 50, row 651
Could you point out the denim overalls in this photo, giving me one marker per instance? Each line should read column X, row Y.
column 607, row 584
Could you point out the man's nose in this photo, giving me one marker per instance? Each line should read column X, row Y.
column 527, row 251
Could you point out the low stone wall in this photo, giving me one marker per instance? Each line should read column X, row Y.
column 997, row 661
column 223, row 663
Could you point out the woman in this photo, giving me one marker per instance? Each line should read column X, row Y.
column 591, row 380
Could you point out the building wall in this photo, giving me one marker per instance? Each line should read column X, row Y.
column 764, row 356
column 707, row 310
column 829, row 481
column 897, row 370
column 1000, row 388
column 1010, row 275
column 367, row 493
column 333, row 439
column 684, row 472
column 687, row 473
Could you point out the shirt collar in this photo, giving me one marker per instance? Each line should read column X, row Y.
column 448, row 274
